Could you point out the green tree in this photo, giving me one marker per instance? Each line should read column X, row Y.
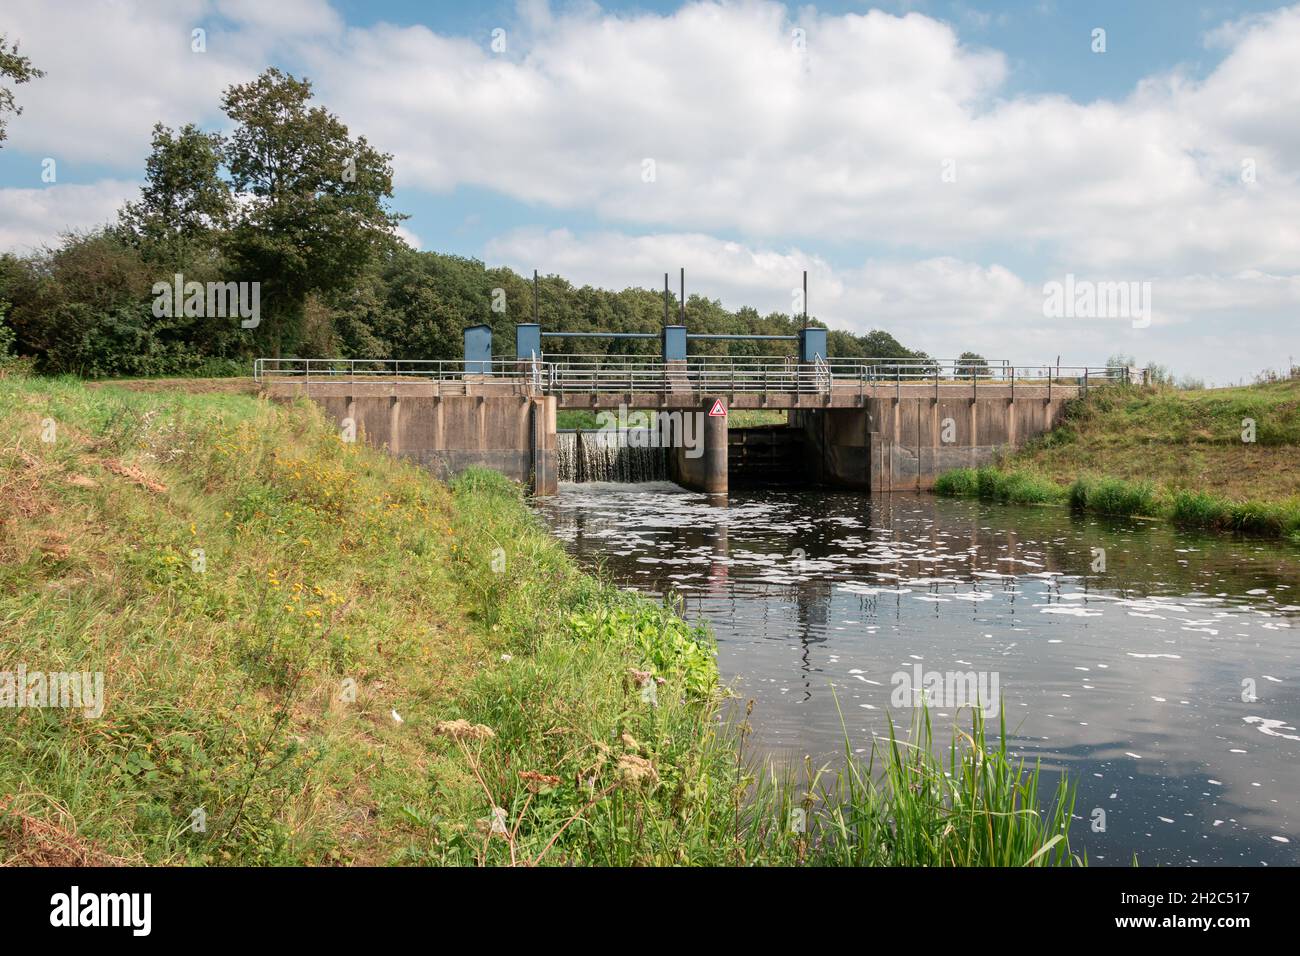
column 880, row 344
column 312, row 212
column 7, row 335
column 18, row 69
column 972, row 363
column 184, row 203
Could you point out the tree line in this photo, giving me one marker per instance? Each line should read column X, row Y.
column 291, row 201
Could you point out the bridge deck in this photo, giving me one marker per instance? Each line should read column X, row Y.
column 838, row 396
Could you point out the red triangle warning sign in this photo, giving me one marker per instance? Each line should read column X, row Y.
column 718, row 410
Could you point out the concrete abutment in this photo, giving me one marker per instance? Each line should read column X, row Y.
column 510, row 433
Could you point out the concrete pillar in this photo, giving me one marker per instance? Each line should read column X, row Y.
column 702, row 466
column 715, row 451
column 974, row 437
column 395, row 425
column 545, row 470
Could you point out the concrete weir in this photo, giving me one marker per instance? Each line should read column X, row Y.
column 872, row 437
column 445, row 430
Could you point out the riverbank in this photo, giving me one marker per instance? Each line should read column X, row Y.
column 1214, row 459
column 313, row 654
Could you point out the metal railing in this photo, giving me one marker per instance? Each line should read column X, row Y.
column 331, row 370
column 559, row 374
column 1002, row 374
column 691, row 376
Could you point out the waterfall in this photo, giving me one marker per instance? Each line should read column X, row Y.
column 623, row 456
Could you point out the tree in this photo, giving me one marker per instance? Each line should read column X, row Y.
column 17, row 68
column 312, row 215
column 880, row 344
column 972, row 363
column 7, row 335
column 184, row 202
column 81, row 308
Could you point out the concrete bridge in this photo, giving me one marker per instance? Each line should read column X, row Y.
column 870, row 424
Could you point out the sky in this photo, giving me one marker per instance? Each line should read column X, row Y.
column 936, row 165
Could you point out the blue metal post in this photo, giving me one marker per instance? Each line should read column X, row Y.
column 812, row 345
column 528, row 341
column 478, row 350
column 674, row 343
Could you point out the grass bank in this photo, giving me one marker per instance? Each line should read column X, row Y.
column 313, row 654
column 1218, row 459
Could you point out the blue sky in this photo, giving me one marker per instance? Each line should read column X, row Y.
column 1123, row 166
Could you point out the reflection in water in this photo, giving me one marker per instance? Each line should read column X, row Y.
column 1125, row 651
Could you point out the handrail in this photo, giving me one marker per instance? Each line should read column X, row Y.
column 704, row 374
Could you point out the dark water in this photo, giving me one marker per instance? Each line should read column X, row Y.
column 1130, row 678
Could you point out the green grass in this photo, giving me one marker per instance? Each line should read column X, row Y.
column 369, row 666
column 1162, row 453
column 1199, row 509
column 992, row 484
column 1114, row 496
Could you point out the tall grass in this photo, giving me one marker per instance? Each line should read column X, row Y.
column 1122, row 498
column 994, row 484
column 1199, row 509
column 911, row 805
column 1114, row 496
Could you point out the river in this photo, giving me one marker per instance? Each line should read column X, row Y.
column 1157, row 668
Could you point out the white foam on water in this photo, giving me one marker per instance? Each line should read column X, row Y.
column 1271, row 727
column 1070, row 611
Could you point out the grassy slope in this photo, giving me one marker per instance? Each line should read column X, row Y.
column 1178, row 454
column 1182, row 440
column 328, row 566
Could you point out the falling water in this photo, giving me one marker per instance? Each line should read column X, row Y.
column 610, row 456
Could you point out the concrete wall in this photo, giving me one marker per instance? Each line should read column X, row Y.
column 512, row 434
column 904, row 443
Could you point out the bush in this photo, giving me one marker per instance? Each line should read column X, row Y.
column 990, row 484
column 960, row 482
column 1198, row 509
column 1114, row 496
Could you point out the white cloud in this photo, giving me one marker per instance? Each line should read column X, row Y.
column 114, row 69
column 410, row 238
column 846, row 141
column 1218, row 327
column 30, row 218
column 284, row 18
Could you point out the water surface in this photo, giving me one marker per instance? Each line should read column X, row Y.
column 1122, row 650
